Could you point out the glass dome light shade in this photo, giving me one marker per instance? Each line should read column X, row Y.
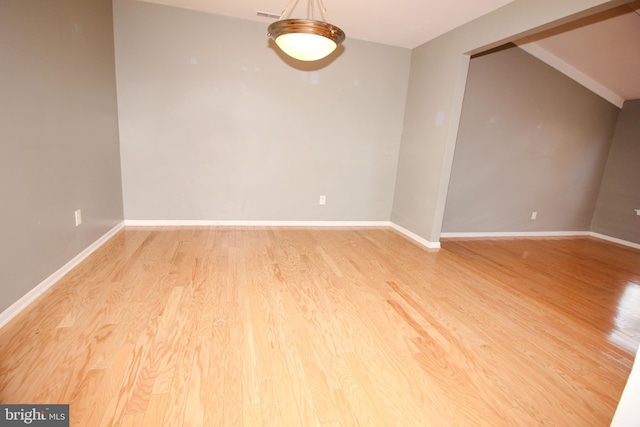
column 306, row 39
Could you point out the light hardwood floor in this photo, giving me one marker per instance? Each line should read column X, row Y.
column 329, row 327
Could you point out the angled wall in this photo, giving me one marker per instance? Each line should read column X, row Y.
column 530, row 140
column 434, row 102
column 619, row 196
column 59, row 127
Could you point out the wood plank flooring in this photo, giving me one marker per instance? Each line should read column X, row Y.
column 330, row 327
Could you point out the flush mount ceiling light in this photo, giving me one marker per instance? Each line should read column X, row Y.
column 306, row 39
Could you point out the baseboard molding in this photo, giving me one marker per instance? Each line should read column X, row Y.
column 251, row 223
column 39, row 289
column 523, row 234
column 515, row 234
column 34, row 293
column 258, row 223
column 615, row 240
column 413, row 236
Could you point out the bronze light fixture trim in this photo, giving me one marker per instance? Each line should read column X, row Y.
column 306, row 39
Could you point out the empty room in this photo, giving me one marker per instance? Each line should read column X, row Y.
column 435, row 221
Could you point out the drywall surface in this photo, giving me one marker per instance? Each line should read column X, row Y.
column 432, row 112
column 619, row 196
column 216, row 125
column 530, row 140
column 59, row 130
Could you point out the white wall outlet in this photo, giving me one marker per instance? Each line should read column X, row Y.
column 323, row 200
column 534, row 215
column 638, row 212
column 78, row 217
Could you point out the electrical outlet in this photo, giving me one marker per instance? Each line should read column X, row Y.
column 638, row 212
column 534, row 215
column 78, row 217
column 323, row 200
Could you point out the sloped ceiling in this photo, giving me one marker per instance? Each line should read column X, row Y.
column 602, row 52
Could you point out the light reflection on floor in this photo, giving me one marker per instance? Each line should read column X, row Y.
column 626, row 332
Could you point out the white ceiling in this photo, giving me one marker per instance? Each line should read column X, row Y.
column 403, row 23
column 602, row 52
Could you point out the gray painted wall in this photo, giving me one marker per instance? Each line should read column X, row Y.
column 215, row 125
column 59, row 149
column 619, row 195
column 530, row 139
column 436, row 90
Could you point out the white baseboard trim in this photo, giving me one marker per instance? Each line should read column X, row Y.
column 34, row 293
column 413, row 236
column 251, row 223
column 259, row 223
column 39, row 289
column 615, row 240
column 515, row 234
column 523, row 234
